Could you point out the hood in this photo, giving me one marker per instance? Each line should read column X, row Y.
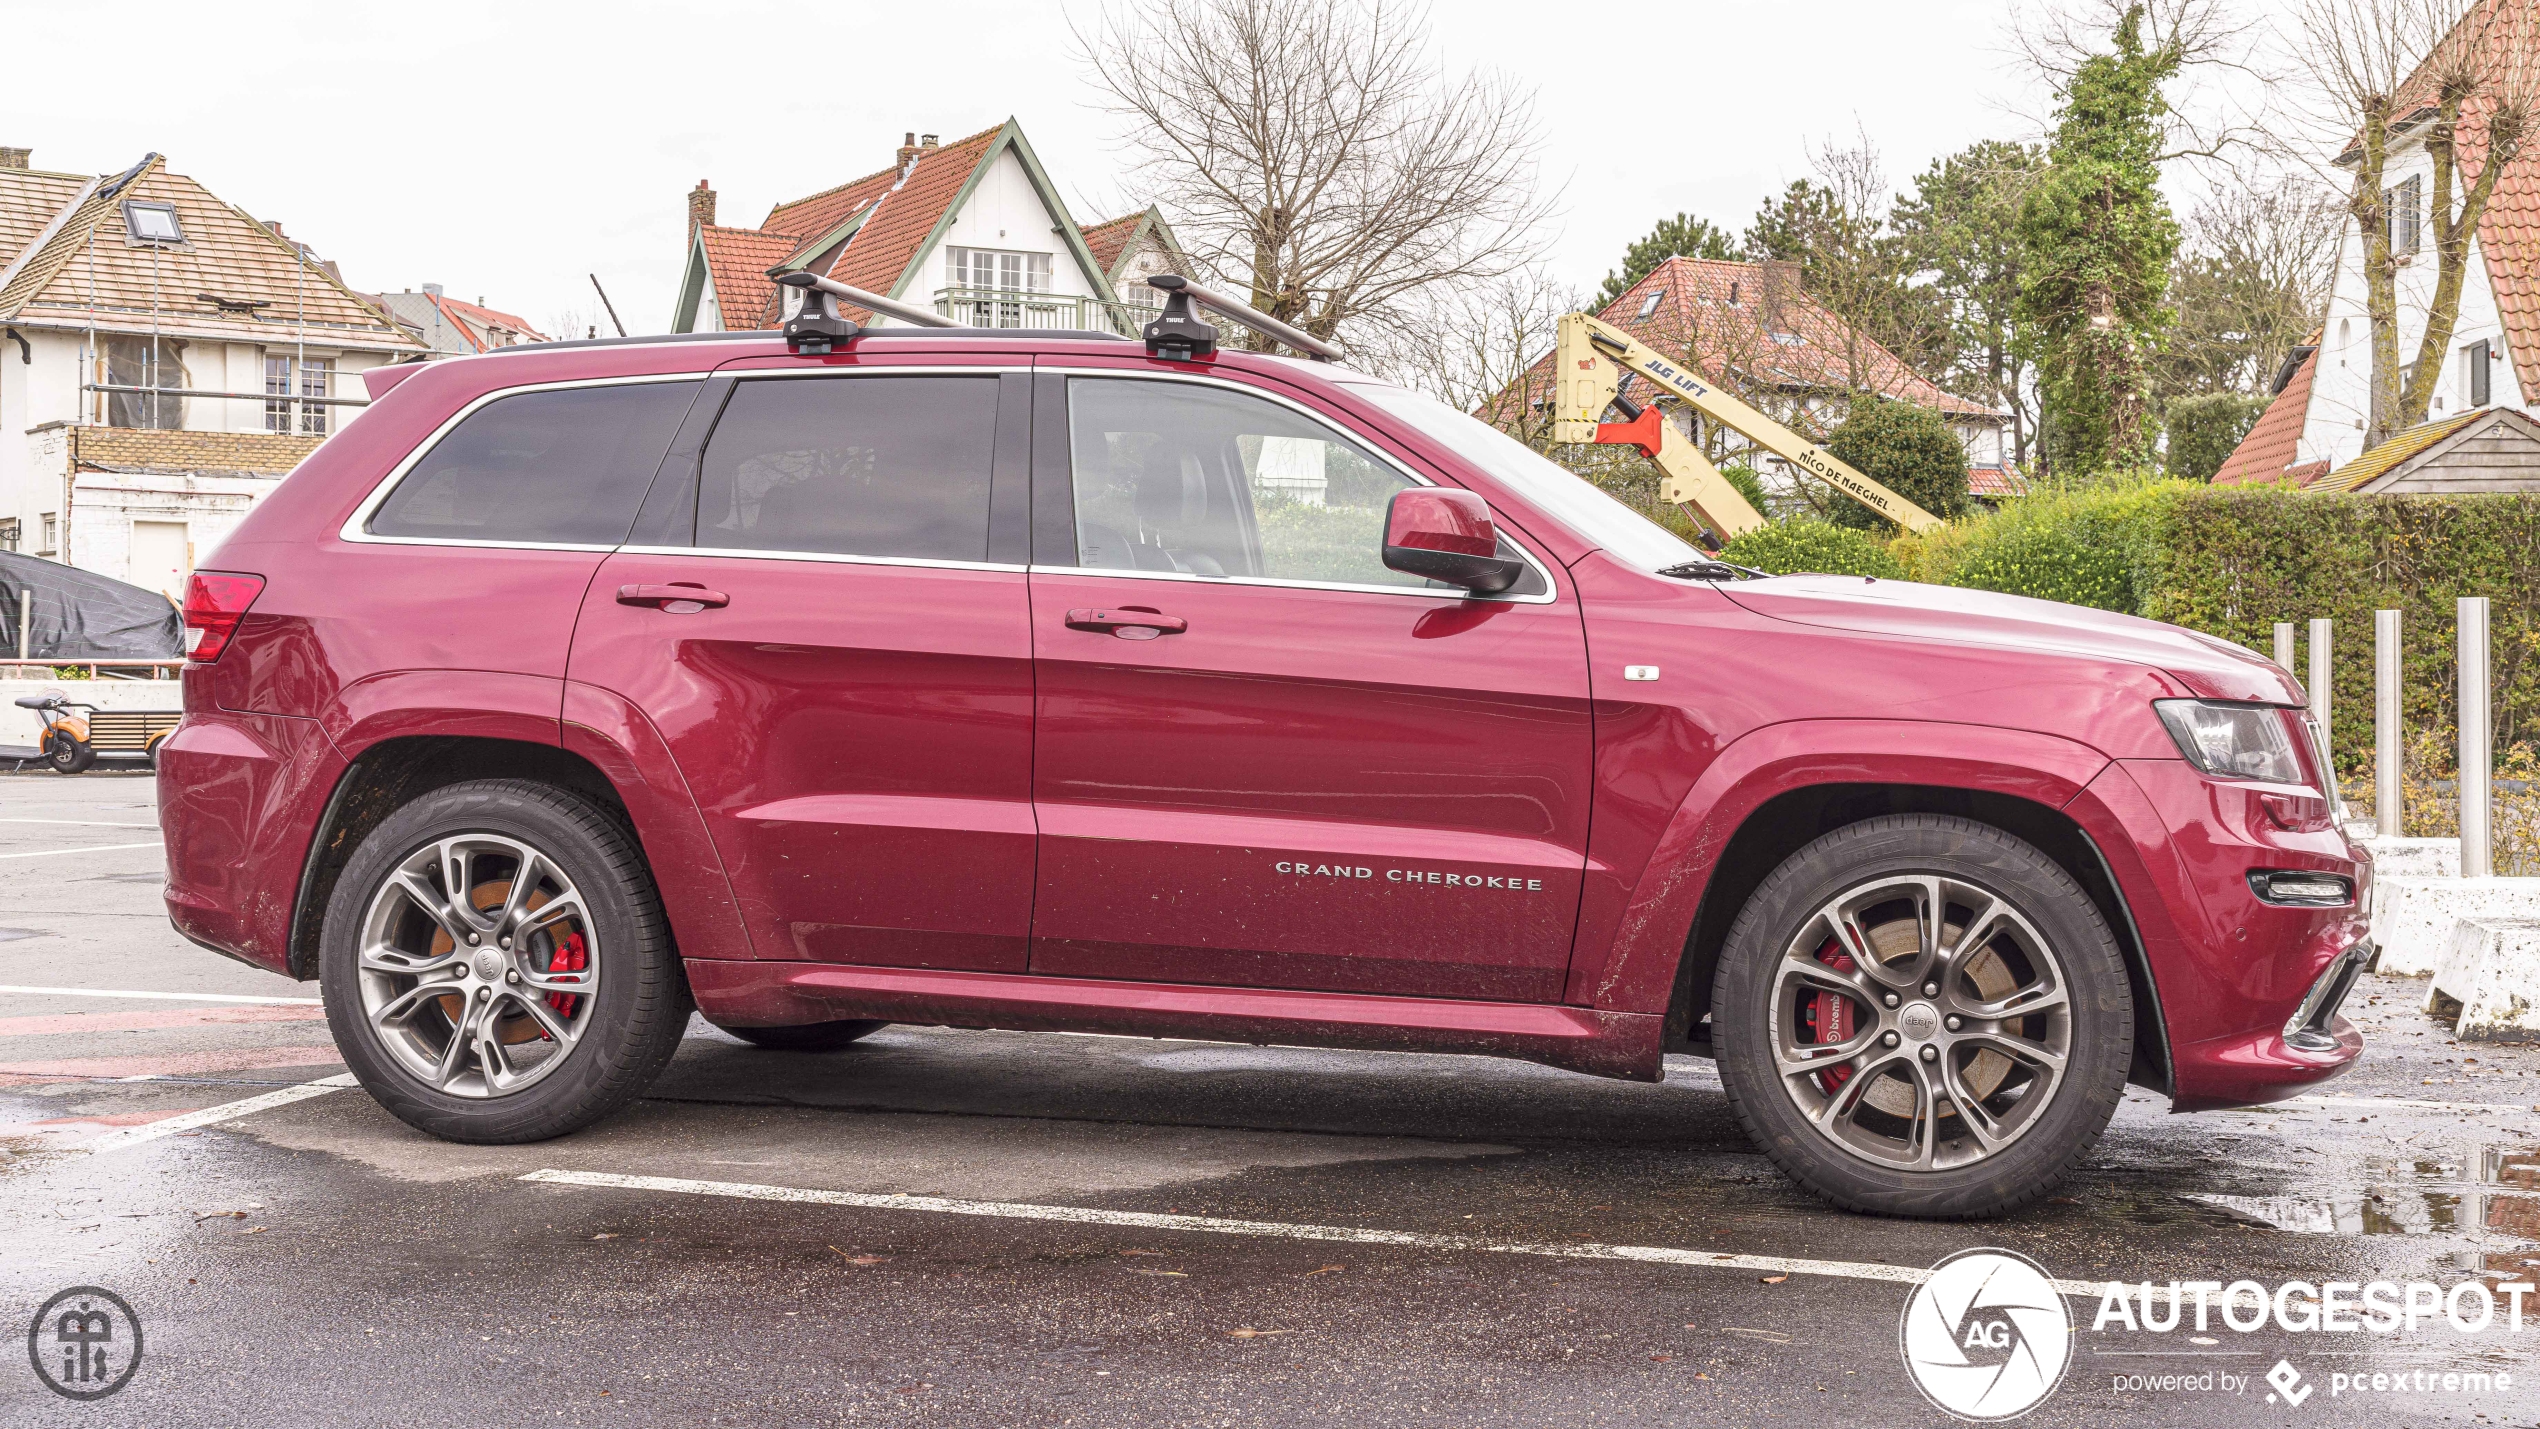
column 2203, row 665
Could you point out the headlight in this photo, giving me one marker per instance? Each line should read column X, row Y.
column 2233, row 741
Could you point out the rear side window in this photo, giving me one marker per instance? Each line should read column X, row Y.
column 566, row 467
column 852, row 466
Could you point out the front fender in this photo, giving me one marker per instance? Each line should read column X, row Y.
column 1630, row 965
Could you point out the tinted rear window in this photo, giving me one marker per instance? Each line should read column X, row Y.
column 566, row 467
column 852, row 466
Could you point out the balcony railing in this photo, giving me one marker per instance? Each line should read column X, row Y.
column 1019, row 308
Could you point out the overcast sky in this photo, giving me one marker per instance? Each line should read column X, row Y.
column 506, row 150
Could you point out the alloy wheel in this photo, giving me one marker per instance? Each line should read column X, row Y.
column 1920, row 1022
column 478, row 965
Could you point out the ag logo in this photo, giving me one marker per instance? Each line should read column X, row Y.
column 1986, row 1337
column 85, row 1343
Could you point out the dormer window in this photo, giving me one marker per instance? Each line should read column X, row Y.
column 148, row 222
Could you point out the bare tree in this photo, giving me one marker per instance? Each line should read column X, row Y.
column 2387, row 71
column 1315, row 153
column 2250, row 284
column 1476, row 346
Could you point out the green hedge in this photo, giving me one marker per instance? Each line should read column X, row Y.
column 1787, row 547
column 2232, row 561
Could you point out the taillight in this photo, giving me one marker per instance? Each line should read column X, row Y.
column 215, row 601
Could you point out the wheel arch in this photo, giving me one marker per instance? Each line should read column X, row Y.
column 1789, row 821
column 394, row 772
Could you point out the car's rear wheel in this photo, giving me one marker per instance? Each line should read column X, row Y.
column 1921, row 1015
column 808, row 1037
column 496, row 967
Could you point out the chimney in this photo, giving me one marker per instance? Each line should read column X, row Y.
column 700, row 208
column 908, row 153
column 16, row 158
column 926, row 141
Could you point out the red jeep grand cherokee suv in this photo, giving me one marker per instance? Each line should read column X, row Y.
column 1024, row 680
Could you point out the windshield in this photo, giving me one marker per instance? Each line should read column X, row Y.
column 1591, row 513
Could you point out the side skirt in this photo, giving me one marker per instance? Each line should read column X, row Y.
column 1625, row 1045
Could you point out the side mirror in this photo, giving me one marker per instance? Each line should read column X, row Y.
column 1446, row 535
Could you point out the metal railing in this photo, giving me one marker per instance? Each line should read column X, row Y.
column 50, row 670
column 1023, row 308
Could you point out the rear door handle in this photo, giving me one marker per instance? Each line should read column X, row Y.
column 679, row 598
column 1127, row 624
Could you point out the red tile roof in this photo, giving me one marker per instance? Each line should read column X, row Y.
column 2272, row 443
column 903, row 218
column 1108, row 240
column 473, row 322
column 738, row 259
column 1996, row 481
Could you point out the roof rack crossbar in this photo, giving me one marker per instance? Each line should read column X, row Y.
column 1167, row 332
column 871, row 302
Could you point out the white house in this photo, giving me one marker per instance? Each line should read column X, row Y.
column 2323, row 396
column 164, row 360
column 973, row 228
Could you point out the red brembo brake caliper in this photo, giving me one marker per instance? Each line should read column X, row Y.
column 1830, row 1016
column 572, row 957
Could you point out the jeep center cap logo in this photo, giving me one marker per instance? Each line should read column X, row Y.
column 1987, row 1336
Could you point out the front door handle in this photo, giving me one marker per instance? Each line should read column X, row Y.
column 679, row 597
column 1127, row 624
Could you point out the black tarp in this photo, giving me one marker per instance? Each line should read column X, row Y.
column 80, row 615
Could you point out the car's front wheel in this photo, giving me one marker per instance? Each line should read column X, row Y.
column 1921, row 1015
column 496, row 966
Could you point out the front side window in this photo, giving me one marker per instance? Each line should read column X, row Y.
column 1173, row 476
column 852, row 466
column 565, row 467
column 151, row 364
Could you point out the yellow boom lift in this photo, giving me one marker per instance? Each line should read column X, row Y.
column 1591, row 360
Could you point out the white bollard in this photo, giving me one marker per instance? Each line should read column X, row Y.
column 2478, row 739
column 2320, row 680
column 2387, row 815
column 2284, row 644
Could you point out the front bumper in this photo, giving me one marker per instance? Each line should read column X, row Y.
column 2248, row 990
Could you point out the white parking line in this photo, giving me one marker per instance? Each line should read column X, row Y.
column 1144, row 1220
column 163, row 996
column 94, row 848
column 226, row 1111
column 84, row 823
column 2412, row 1105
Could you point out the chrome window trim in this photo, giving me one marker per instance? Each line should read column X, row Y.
column 735, row 553
column 1552, row 587
column 352, row 531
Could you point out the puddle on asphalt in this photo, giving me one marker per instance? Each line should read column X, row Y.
column 2494, row 1189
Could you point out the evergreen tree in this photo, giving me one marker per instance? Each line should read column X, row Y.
column 1681, row 236
column 1963, row 224
column 2096, row 240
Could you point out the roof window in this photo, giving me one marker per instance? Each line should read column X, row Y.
column 148, row 222
column 1649, row 304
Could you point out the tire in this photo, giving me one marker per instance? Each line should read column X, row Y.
column 549, row 1055
column 65, row 755
column 2010, row 1123
column 809, row 1037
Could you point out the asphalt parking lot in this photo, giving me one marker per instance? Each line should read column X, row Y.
column 938, row 1227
